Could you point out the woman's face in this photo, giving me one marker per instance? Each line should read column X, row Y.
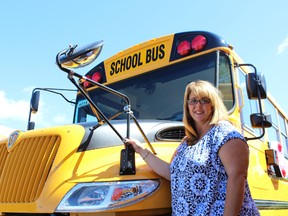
column 200, row 109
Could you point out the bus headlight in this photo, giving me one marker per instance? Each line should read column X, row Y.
column 87, row 197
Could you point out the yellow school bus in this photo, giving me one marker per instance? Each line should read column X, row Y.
column 85, row 169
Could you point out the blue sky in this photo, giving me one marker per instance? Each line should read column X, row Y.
column 33, row 32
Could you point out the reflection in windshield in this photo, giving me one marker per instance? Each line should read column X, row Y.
column 155, row 95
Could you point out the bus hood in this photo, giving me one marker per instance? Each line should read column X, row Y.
column 43, row 165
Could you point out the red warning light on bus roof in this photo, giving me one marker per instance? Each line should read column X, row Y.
column 184, row 48
column 198, row 43
column 97, row 77
column 86, row 83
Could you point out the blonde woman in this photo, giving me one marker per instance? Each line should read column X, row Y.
column 208, row 171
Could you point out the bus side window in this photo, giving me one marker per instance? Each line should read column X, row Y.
column 277, row 136
column 278, row 131
column 284, row 138
column 273, row 132
column 249, row 106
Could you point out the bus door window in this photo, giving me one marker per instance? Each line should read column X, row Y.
column 225, row 81
column 249, row 106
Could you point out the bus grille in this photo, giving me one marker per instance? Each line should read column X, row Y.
column 24, row 170
column 171, row 134
column 3, row 156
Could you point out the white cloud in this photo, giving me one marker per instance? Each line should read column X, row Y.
column 51, row 113
column 14, row 113
column 60, row 119
column 28, row 89
column 5, row 131
column 12, row 109
column 283, row 46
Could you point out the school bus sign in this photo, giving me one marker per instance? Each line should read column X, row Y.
column 134, row 60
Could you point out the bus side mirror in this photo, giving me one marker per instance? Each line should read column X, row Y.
column 31, row 125
column 75, row 57
column 34, row 103
column 259, row 120
column 254, row 83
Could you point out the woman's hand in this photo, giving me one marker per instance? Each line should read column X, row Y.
column 159, row 166
column 137, row 146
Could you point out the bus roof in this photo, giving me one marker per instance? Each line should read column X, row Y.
column 156, row 53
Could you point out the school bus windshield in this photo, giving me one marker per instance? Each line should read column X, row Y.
column 156, row 94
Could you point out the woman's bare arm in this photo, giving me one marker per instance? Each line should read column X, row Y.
column 235, row 158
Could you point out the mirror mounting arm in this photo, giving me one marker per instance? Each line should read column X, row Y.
column 127, row 161
column 258, row 84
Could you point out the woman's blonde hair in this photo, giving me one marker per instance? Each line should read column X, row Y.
column 203, row 89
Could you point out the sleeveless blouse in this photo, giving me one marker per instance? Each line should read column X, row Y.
column 198, row 177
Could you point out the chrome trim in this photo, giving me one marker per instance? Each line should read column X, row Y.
column 271, row 204
column 12, row 138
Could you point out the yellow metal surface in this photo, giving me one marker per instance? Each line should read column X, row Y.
column 26, row 186
column 40, row 188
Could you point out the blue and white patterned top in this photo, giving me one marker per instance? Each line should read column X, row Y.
column 198, row 177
